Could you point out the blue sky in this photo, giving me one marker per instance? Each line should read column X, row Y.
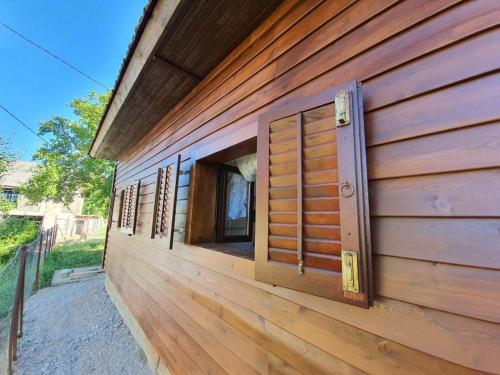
column 93, row 35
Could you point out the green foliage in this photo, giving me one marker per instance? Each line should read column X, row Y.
column 15, row 231
column 71, row 255
column 65, row 167
column 6, row 154
column 6, row 158
column 6, row 205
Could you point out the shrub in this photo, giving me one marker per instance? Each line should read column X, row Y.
column 15, row 231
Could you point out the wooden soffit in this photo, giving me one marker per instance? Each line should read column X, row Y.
column 177, row 43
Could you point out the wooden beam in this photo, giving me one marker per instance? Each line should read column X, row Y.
column 177, row 68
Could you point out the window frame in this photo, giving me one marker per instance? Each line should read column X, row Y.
column 221, row 206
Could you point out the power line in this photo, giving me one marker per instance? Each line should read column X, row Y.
column 53, row 55
column 22, row 123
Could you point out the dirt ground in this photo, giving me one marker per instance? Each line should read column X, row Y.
column 75, row 329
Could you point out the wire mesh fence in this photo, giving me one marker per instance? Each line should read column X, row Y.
column 19, row 278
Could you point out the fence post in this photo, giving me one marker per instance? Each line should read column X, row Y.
column 52, row 237
column 21, row 299
column 55, row 234
column 16, row 312
column 37, row 274
column 46, row 244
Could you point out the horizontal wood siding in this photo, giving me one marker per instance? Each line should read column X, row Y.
column 430, row 73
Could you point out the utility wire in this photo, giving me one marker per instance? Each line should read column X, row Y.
column 22, row 123
column 53, row 55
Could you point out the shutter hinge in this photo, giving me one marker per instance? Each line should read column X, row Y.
column 350, row 279
column 342, row 108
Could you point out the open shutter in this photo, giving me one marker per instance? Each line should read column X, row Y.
column 312, row 230
column 122, row 207
column 129, row 209
column 165, row 201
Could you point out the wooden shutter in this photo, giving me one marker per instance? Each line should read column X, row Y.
column 122, row 207
column 312, row 226
column 129, row 208
column 165, row 201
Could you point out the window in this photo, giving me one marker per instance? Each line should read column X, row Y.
column 129, row 201
column 222, row 214
column 165, row 201
column 11, row 195
column 312, row 227
column 234, row 206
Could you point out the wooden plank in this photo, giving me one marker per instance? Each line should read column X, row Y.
column 324, row 262
column 466, row 291
column 246, row 349
column 465, row 194
column 426, row 328
column 186, row 352
column 299, row 353
column 471, row 148
column 311, row 231
column 436, row 70
column 469, row 103
column 464, row 241
column 309, row 204
column 464, row 340
column 327, row 334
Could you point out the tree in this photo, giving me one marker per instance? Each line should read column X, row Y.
column 6, row 159
column 6, row 155
column 65, row 167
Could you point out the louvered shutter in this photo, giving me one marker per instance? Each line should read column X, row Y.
column 122, row 208
column 312, row 213
column 129, row 209
column 165, row 201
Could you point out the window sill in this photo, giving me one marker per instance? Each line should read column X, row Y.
column 240, row 249
column 215, row 260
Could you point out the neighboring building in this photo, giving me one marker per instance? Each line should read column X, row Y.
column 71, row 223
column 309, row 186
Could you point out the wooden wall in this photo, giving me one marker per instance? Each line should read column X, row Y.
column 431, row 81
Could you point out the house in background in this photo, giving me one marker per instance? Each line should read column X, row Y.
column 71, row 223
column 309, row 187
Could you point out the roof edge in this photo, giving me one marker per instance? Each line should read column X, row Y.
column 146, row 16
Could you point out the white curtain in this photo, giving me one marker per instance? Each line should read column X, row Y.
column 248, row 167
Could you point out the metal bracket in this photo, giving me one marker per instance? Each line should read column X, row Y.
column 343, row 108
column 301, row 267
column 350, row 277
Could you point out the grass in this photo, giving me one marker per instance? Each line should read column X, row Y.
column 71, row 255
column 15, row 231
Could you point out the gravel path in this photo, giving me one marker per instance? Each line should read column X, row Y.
column 76, row 330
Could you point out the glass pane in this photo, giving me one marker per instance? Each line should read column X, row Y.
column 237, row 205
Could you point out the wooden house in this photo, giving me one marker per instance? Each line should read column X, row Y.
column 308, row 186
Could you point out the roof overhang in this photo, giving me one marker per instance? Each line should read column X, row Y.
column 177, row 43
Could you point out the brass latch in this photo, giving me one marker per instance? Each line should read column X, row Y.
column 342, row 108
column 350, row 280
